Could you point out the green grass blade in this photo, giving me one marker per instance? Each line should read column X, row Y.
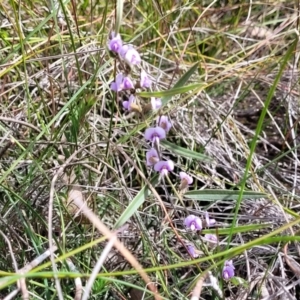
column 184, row 152
column 212, row 195
column 239, row 229
column 135, row 204
column 181, row 82
column 259, row 127
column 119, row 15
column 172, row 92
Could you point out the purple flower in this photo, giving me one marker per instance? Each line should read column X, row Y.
column 121, row 83
column 130, row 55
column 117, row 85
column 123, row 50
column 152, row 157
column 212, row 238
column 154, row 133
column 193, row 222
column 209, row 222
column 128, row 104
column 163, row 122
column 228, row 270
column 115, row 43
column 156, row 103
column 185, row 180
column 145, row 81
column 127, row 83
column 192, row 251
column 164, row 167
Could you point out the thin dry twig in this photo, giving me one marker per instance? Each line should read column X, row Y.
column 27, row 268
column 78, row 282
column 6, row 119
column 97, row 267
column 198, row 288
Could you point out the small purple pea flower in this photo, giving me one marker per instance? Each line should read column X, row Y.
column 117, row 85
column 211, row 238
column 152, row 157
column 209, row 222
column 127, row 83
column 145, row 81
column 164, row 167
column 155, row 134
column 156, row 103
column 185, row 180
column 121, row 83
column 115, row 43
column 192, row 251
column 163, row 122
column 193, row 222
column 128, row 104
column 228, row 270
column 123, row 50
column 130, row 55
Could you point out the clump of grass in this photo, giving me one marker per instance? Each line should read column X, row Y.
column 227, row 75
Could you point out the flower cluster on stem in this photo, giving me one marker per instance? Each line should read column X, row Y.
column 125, row 86
column 129, row 56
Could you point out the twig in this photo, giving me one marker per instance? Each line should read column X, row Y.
column 78, row 283
column 5, row 119
column 97, row 267
column 198, row 288
column 27, row 268
column 21, row 282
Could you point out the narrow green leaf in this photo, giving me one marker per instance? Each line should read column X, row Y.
column 181, row 82
column 239, row 229
column 172, row 92
column 137, row 201
column 184, row 152
column 212, row 195
column 119, row 15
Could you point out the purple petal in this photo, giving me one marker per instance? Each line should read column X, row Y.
column 193, row 222
column 123, row 50
column 211, row 238
column 152, row 157
column 127, row 83
column 188, row 220
column 145, row 80
column 154, row 132
column 164, row 166
column 191, row 250
column 155, row 103
column 209, row 222
column 132, row 57
column 198, row 224
column 114, row 87
column 228, row 270
column 163, row 122
column 115, row 45
column 186, row 177
column 117, row 85
column 126, row 104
